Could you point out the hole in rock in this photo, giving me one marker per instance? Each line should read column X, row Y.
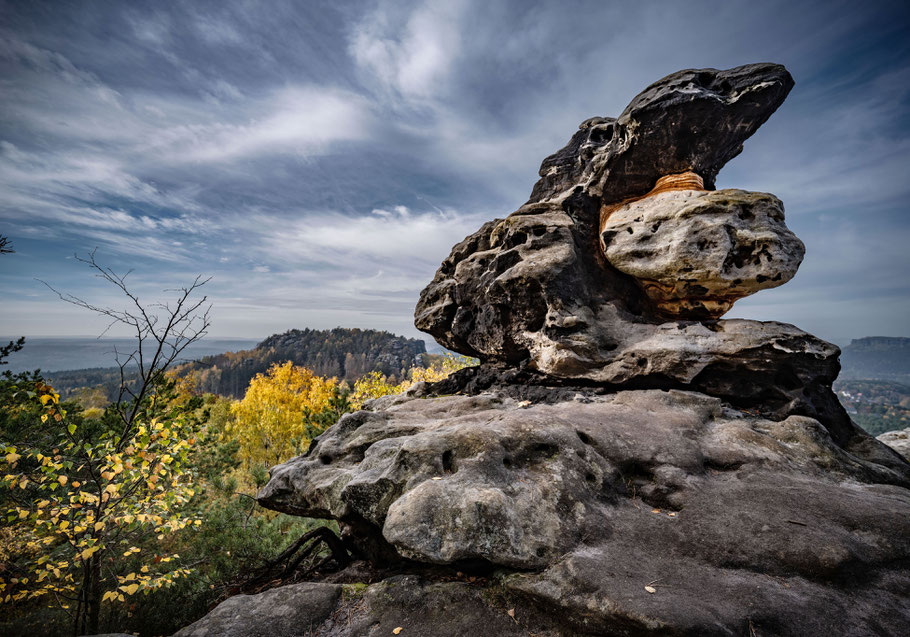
column 544, row 450
column 601, row 135
column 539, row 232
column 517, row 239
column 541, row 551
column 325, row 458
column 448, row 461
column 505, row 261
column 634, row 473
column 585, row 438
column 629, row 230
column 590, row 478
column 507, row 461
column 704, row 79
column 714, row 465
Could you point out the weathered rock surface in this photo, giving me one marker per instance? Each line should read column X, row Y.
column 613, row 470
column 297, row 609
column 696, row 252
column 536, row 290
column 587, row 501
column 898, row 440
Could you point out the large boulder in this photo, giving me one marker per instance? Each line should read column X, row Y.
column 898, row 440
column 622, row 462
column 695, row 252
column 730, row 517
column 287, row 611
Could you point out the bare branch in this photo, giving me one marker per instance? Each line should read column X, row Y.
column 162, row 331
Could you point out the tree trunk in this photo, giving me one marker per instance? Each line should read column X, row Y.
column 93, row 594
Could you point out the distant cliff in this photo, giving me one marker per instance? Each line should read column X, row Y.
column 877, row 357
column 346, row 353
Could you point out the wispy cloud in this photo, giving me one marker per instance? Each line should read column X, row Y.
column 321, row 158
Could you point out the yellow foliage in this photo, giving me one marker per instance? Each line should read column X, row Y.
column 439, row 371
column 59, row 535
column 270, row 421
column 375, row 385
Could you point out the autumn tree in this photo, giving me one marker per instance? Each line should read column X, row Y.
column 84, row 495
column 281, row 412
column 376, row 384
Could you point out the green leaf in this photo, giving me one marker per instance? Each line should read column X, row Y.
column 71, row 429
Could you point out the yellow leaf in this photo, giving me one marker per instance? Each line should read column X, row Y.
column 45, row 399
column 144, row 569
column 397, row 630
column 43, row 417
column 99, row 526
column 11, row 458
column 62, row 480
column 109, row 595
column 131, row 589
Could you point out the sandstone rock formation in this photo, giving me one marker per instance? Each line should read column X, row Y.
column 898, row 440
column 622, row 462
column 695, row 252
column 740, row 520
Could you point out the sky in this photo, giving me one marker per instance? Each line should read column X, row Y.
column 319, row 159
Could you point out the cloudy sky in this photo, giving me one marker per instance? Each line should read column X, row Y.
column 319, row 159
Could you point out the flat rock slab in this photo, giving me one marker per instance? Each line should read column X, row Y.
column 898, row 440
column 729, row 517
column 288, row 611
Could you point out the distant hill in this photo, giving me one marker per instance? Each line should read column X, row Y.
column 877, row 357
column 344, row 353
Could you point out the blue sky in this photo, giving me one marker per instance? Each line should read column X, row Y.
column 319, row 159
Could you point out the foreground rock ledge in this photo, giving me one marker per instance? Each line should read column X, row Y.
column 733, row 520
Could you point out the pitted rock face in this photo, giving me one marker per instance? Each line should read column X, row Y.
column 695, row 252
column 536, row 291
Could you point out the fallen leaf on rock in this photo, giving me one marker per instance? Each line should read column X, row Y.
column 655, row 510
column 650, row 589
column 397, row 630
column 511, row 613
column 436, row 478
column 524, row 403
column 672, row 515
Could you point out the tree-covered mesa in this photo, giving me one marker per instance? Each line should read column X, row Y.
column 344, row 353
column 108, row 519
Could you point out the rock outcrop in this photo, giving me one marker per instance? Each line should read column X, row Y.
column 695, row 252
column 734, row 520
column 898, row 440
column 622, row 461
